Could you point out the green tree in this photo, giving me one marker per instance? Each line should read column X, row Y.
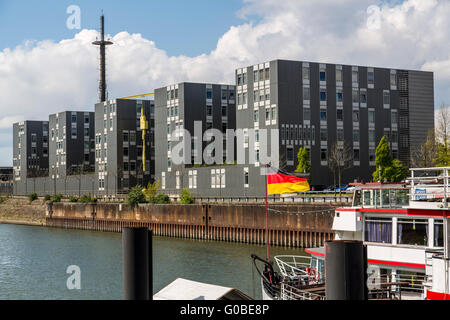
column 151, row 191
column 304, row 165
column 135, row 196
column 186, row 197
column 387, row 168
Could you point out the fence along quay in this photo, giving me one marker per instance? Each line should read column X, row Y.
column 290, row 225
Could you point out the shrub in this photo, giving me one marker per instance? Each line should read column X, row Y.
column 3, row 199
column 73, row 199
column 85, row 199
column 56, row 198
column 186, row 197
column 161, row 199
column 151, row 191
column 33, row 197
column 47, row 197
column 135, row 196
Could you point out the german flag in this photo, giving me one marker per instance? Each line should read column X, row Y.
column 278, row 183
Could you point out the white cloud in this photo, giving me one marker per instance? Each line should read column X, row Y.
column 39, row 78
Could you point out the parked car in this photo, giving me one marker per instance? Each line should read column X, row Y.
column 343, row 187
column 318, row 187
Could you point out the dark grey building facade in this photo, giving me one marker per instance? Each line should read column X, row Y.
column 179, row 106
column 119, row 145
column 71, row 143
column 308, row 105
column 30, row 152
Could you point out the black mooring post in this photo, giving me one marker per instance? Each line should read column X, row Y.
column 135, row 246
column 345, row 270
column 150, row 263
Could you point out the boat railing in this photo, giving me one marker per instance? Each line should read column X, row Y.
column 291, row 293
column 430, row 184
column 293, row 266
column 398, row 284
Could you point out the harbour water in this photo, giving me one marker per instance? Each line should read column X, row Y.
column 34, row 261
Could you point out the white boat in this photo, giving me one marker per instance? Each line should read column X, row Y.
column 405, row 229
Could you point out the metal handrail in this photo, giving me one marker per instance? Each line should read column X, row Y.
column 293, row 266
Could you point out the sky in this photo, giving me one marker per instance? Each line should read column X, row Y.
column 46, row 67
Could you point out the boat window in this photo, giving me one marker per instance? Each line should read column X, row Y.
column 438, row 233
column 385, row 198
column 367, row 197
column 314, row 262
column 321, row 267
column 412, row 231
column 357, row 199
column 378, row 230
column 402, row 197
column 377, row 198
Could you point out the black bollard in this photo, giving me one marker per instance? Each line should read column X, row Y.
column 345, row 270
column 137, row 272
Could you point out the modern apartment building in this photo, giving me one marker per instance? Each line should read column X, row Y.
column 71, row 143
column 179, row 106
column 318, row 106
column 30, row 151
column 119, row 149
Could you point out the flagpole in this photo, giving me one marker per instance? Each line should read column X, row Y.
column 267, row 214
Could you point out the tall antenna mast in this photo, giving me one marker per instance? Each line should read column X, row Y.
column 102, row 43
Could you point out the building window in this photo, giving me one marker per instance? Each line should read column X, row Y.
column 340, row 134
column 255, row 115
column 363, row 96
column 255, row 95
column 394, row 117
column 355, row 96
column 438, row 240
column 323, row 154
column 323, row 94
column 209, row 111
column 338, row 75
column 322, row 75
column 290, row 154
column 371, row 114
column 306, row 114
column 305, row 73
column 355, row 154
column 340, row 115
column 378, row 230
column 372, row 155
column 355, row 115
column 339, row 95
column 74, row 118
column 267, row 74
column 255, row 76
column 244, row 98
column 386, row 98
column 125, row 166
column 393, row 79
column 125, row 137
column 244, row 78
column 370, row 78
column 245, row 177
column 323, row 134
column 125, row 151
column 355, row 135
column 192, row 179
column 323, row 115
column 306, row 93
column 355, row 76
column 372, row 136
column 412, row 232
column 274, row 114
column 208, row 94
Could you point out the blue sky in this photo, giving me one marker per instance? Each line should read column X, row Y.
column 178, row 27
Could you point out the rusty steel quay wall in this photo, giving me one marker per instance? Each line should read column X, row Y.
column 289, row 225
